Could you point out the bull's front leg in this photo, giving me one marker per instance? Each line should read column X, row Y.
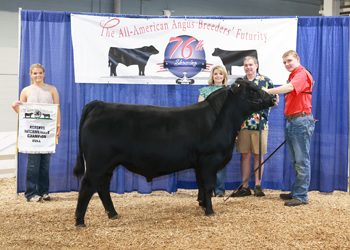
column 142, row 69
column 209, row 178
column 105, row 196
column 228, row 69
column 207, row 201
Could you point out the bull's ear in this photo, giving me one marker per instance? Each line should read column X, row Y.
column 237, row 86
column 239, row 81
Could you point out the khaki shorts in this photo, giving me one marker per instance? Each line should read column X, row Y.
column 248, row 141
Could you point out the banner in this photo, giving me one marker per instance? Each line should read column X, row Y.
column 112, row 49
column 37, row 128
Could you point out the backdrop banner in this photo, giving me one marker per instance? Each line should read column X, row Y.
column 323, row 47
column 37, row 128
column 111, row 49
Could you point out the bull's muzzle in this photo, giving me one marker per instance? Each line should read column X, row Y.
column 274, row 100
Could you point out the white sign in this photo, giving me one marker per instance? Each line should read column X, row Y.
column 112, row 49
column 37, row 128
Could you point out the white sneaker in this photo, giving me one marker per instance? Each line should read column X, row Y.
column 35, row 198
column 46, row 197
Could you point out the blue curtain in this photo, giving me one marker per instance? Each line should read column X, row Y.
column 323, row 48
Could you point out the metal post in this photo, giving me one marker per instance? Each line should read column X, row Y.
column 141, row 10
column 259, row 145
column 117, row 9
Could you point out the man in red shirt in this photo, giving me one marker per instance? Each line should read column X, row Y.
column 300, row 125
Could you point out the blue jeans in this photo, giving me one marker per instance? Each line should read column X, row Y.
column 298, row 134
column 37, row 175
column 220, row 181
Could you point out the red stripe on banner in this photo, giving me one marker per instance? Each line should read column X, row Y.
column 161, row 68
column 207, row 68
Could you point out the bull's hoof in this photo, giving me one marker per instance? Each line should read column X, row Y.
column 80, row 225
column 200, row 203
column 115, row 217
column 211, row 214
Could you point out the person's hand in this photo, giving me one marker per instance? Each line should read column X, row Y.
column 277, row 100
column 58, row 131
column 266, row 89
column 15, row 104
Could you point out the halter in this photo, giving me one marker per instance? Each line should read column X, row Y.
column 258, row 101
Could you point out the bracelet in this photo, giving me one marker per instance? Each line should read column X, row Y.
column 58, row 126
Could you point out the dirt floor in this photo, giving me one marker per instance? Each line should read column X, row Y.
column 166, row 221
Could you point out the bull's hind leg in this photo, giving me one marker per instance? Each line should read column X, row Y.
column 105, row 196
column 87, row 189
column 199, row 180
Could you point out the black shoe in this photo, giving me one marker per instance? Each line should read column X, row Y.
column 242, row 192
column 219, row 195
column 294, row 202
column 258, row 191
column 286, row 196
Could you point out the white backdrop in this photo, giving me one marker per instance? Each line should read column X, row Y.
column 94, row 35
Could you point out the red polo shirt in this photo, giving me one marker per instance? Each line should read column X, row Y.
column 296, row 101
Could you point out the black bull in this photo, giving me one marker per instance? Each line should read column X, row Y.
column 153, row 141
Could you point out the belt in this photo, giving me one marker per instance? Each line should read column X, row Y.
column 290, row 117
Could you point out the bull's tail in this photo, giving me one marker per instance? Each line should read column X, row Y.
column 79, row 167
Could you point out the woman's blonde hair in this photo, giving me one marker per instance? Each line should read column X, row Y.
column 33, row 66
column 223, row 71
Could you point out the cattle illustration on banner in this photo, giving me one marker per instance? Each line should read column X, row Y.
column 233, row 58
column 37, row 128
column 129, row 57
column 158, row 50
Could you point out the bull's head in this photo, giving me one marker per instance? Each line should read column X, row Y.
column 251, row 93
column 153, row 50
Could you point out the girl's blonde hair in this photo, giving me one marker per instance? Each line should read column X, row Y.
column 223, row 71
column 33, row 66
